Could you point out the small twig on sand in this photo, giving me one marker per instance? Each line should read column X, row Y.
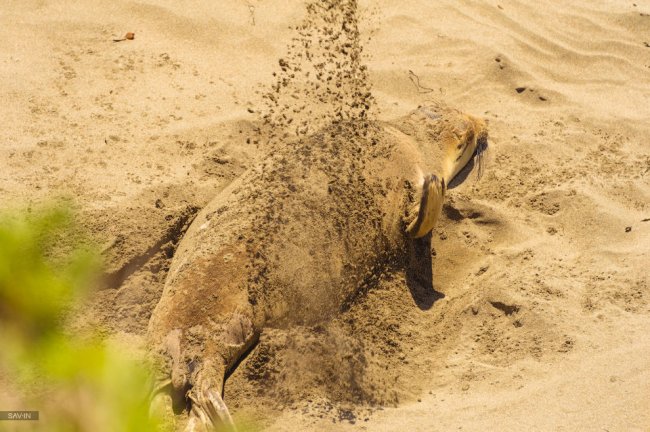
column 416, row 82
column 251, row 11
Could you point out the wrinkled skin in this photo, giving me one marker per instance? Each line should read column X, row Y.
column 292, row 239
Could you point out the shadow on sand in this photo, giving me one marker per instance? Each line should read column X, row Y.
column 419, row 275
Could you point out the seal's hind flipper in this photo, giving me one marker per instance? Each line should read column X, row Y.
column 209, row 412
column 429, row 207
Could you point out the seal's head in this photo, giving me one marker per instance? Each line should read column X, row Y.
column 458, row 141
column 463, row 138
column 464, row 148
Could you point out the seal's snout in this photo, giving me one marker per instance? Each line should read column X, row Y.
column 479, row 154
column 482, row 143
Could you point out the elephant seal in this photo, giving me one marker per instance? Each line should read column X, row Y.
column 293, row 238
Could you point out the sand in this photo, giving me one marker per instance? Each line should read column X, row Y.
column 541, row 308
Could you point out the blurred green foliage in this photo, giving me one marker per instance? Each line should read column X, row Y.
column 78, row 385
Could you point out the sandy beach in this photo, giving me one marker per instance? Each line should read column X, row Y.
column 542, row 267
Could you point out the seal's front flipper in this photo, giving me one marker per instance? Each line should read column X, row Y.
column 429, row 207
